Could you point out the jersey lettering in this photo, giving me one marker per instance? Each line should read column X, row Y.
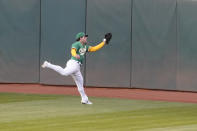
column 82, row 51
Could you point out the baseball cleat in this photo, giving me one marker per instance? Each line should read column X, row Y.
column 44, row 64
column 87, row 102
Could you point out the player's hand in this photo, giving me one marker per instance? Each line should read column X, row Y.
column 108, row 37
column 104, row 40
column 77, row 56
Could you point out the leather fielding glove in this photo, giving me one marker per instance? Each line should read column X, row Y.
column 108, row 37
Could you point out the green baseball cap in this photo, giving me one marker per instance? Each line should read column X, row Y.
column 80, row 34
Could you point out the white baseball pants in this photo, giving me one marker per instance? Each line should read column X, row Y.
column 72, row 68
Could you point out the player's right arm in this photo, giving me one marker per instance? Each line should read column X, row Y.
column 74, row 53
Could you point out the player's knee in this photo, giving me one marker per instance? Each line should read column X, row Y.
column 64, row 73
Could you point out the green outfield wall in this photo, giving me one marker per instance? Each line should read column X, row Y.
column 153, row 45
column 19, row 41
column 111, row 65
column 61, row 20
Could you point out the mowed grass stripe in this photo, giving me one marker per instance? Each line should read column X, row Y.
column 14, row 97
column 58, row 112
column 127, row 119
column 175, row 128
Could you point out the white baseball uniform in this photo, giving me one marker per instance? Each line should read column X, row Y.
column 73, row 65
column 73, row 68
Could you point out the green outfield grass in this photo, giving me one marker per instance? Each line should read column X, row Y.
column 24, row 112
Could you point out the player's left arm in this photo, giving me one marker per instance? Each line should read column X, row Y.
column 106, row 40
column 97, row 47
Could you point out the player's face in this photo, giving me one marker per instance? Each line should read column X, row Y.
column 84, row 39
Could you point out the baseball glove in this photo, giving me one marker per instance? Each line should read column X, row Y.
column 108, row 37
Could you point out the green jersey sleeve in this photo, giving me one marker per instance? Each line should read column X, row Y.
column 75, row 45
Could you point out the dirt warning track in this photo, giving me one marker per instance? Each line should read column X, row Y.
column 137, row 94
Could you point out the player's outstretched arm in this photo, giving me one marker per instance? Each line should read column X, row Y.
column 106, row 40
column 97, row 47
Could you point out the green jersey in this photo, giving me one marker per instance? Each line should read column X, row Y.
column 80, row 50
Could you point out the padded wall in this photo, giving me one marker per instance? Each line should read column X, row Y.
column 159, row 51
column 61, row 21
column 110, row 66
column 187, row 45
column 154, row 48
column 19, row 41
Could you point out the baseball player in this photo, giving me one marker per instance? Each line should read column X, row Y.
column 78, row 51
